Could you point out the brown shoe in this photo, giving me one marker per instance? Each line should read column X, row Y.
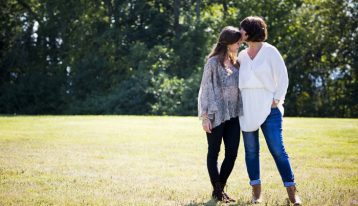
column 226, row 196
column 256, row 194
column 219, row 193
column 292, row 196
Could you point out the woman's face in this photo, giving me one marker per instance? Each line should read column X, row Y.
column 234, row 47
column 243, row 34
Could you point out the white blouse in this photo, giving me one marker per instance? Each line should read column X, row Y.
column 261, row 80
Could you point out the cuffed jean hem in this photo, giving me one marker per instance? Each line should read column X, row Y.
column 289, row 184
column 255, row 182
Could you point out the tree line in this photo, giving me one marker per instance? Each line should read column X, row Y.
column 147, row 56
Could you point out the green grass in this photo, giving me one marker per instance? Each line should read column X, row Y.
column 139, row 160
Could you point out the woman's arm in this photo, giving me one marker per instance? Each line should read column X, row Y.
column 280, row 75
column 206, row 98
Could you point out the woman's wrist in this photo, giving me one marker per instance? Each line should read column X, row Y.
column 205, row 118
column 205, row 121
column 275, row 103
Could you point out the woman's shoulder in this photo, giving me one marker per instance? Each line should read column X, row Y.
column 270, row 48
column 212, row 60
column 273, row 53
column 242, row 52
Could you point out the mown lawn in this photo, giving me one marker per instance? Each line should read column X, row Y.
column 142, row 160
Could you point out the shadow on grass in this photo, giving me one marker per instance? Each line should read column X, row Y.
column 213, row 202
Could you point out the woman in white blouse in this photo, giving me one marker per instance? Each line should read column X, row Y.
column 263, row 83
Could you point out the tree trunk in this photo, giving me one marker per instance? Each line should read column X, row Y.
column 197, row 10
column 109, row 10
column 225, row 8
column 176, row 17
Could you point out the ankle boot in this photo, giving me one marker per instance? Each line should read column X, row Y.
column 225, row 195
column 256, row 194
column 218, row 193
column 292, row 196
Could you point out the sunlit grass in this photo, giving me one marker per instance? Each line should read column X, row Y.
column 141, row 160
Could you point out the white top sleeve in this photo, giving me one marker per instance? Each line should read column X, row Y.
column 280, row 75
column 239, row 57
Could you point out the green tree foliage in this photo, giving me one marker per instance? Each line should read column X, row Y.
column 147, row 57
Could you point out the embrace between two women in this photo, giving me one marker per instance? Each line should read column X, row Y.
column 244, row 92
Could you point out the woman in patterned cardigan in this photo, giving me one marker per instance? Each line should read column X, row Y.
column 219, row 105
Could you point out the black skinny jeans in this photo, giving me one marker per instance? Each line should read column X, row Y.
column 229, row 131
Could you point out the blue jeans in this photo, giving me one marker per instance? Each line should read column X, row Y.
column 272, row 130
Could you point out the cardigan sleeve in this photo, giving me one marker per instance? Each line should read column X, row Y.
column 280, row 75
column 206, row 97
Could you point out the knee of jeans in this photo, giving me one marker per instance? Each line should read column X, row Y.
column 279, row 152
column 252, row 153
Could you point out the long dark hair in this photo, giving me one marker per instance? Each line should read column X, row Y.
column 229, row 35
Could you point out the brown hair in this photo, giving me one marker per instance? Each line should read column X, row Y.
column 255, row 27
column 229, row 35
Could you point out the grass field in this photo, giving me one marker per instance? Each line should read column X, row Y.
column 140, row 160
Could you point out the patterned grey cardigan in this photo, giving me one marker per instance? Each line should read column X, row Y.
column 219, row 95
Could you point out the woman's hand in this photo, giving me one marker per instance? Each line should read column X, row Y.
column 207, row 125
column 274, row 103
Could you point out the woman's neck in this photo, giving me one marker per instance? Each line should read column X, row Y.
column 254, row 45
column 232, row 52
column 254, row 48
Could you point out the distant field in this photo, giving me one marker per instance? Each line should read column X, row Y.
column 142, row 160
